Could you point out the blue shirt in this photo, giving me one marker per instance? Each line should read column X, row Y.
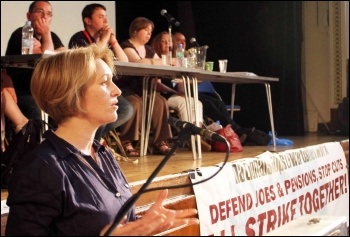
column 53, row 192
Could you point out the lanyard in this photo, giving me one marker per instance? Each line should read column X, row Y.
column 87, row 35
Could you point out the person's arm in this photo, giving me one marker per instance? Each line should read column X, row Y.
column 12, row 111
column 42, row 27
column 161, row 87
column 157, row 219
column 134, row 57
column 108, row 37
column 7, row 85
column 118, row 51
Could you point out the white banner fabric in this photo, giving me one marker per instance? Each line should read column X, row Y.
column 253, row 196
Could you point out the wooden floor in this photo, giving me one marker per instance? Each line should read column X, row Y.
column 183, row 160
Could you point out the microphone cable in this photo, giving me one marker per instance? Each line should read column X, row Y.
column 132, row 200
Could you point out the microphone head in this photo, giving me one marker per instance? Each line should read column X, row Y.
column 162, row 12
column 192, row 40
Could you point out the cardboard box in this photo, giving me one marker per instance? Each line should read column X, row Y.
column 313, row 225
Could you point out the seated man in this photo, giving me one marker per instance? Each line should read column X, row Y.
column 96, row 30
column 215, row 108
column 40, row 14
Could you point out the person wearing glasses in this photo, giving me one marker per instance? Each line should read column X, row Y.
column 40, row 14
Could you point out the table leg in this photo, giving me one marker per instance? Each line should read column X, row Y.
column 233, row 95
column 269, row 102
column 195, row 98
column 148, row 97
column 189, row 105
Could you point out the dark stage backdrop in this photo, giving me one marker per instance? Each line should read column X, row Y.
column 260, row 37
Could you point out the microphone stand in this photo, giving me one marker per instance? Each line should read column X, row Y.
column 184, row 136
column 170, row 44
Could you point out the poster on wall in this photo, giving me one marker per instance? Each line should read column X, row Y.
column 254, row 196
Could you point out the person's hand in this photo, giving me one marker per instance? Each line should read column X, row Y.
column 107, row 35
column 36, row 44
column 41, row 26
column 157, row 219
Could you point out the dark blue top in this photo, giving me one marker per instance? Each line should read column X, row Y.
column 53, row 192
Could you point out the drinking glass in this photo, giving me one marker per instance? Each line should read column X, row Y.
column 222, row 65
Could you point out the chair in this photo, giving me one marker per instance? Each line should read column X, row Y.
column 207, row 87
column 112, row 139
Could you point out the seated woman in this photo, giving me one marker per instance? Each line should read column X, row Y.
column 135, row 48
column 176, row 98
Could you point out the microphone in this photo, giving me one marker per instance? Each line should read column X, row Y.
column 194, row 130
column 194, row 41
column 170, row 19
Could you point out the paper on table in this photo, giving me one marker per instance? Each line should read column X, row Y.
column 251, row 74
column 4, row 207
column 48, row 53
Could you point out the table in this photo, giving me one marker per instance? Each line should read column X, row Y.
column 20, row 61
column 148, row 72
column 190, row 77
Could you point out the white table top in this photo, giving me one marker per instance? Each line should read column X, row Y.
column 140, row 69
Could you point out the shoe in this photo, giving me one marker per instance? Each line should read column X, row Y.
column 119, row 157
column 253, row 137
column 158, row 151
column 129, row 150
column 280, row 141
column 243, row 133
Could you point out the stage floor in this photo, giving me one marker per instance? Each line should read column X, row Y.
column 183, row 159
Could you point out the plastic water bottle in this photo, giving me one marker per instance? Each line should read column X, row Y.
column 27, row 38
column 180, row 54
column 214, row 126
column 219, row 126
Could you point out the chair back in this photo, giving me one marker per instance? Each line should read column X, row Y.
column 206, row 87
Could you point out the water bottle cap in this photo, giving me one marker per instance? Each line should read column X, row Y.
column 28, row 22
column 180, row 45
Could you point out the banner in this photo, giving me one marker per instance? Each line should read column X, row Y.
column 253, row 196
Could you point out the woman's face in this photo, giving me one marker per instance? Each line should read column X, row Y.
column 165, row 43
column 100, row 99
column 144, row 35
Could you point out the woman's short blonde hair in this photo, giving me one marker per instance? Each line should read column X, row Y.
column 59, row 81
